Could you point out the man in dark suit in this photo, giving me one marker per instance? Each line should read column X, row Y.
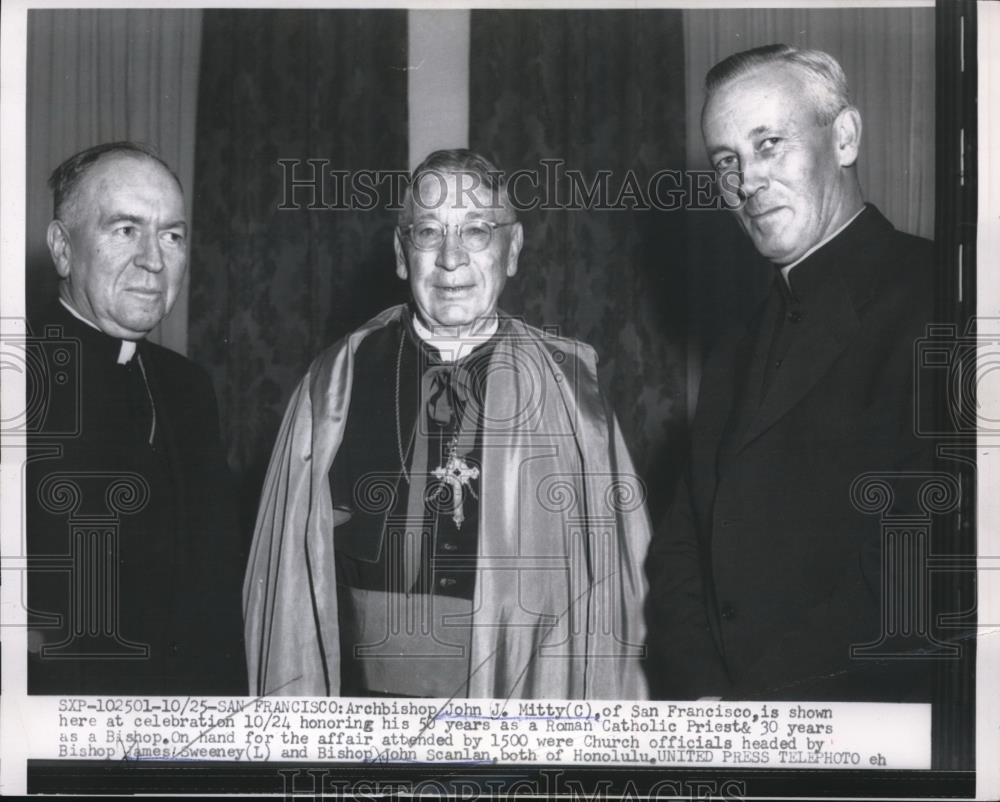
column 766, row 570
column 135, row 560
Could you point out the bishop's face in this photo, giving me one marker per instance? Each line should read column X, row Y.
column 764, row 138
column 455, row 284
column 122, row 251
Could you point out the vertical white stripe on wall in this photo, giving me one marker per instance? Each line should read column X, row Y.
column 438, row 72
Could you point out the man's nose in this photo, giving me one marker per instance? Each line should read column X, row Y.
column 150, row 256
column 452, row 254
column 753, row 178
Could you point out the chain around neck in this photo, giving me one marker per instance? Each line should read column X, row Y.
column 399, row 425
column 453, row 444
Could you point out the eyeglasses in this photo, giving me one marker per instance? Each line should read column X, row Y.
column 475, row 235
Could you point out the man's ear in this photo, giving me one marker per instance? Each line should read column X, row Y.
column 401, row 270
column 57, row 237
column 847, row 136
column 514, row 249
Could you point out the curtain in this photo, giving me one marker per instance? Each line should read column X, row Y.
column 600, row 90
column 274, row 286
column 100, row 76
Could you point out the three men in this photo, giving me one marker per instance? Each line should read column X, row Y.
column 134, row 554
column 450, row 509
column 765, row 574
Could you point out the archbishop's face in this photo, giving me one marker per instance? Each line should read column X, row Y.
column 458, row 280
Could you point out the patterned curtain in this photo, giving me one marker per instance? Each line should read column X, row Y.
column 271, row 287
column 601, row 91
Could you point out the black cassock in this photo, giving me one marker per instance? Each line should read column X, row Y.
column 135, row 558
column 768, row 568
column 436, row 401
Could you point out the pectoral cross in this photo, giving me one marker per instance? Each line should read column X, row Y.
column 457, row 474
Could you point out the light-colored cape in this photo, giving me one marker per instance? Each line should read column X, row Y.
column 563, row 532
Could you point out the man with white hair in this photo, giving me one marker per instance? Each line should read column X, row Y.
column 450, row 509
column 764, row 575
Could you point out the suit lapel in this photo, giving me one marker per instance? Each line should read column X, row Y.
column 826, row 331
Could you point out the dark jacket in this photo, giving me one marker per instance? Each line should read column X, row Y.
column 135, row 558
column 765, row 571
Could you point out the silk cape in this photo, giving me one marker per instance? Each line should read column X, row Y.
column 563, row 532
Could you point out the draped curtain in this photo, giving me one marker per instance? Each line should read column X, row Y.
column 600, row 90
column 98, row 76
column 274, row 286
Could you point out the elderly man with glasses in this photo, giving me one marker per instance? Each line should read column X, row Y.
column 450, row 509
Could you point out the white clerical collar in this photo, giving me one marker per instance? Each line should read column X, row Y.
column 451, row 348
column 786, row 269
column 127, row 350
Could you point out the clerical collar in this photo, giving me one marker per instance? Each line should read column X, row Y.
column 452, row 349
column 127, row 349
column 786, row 269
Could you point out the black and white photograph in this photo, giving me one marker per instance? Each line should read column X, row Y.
column 592, row 401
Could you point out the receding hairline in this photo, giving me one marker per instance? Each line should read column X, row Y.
column 821, row 76
column 755, row 73
column 96, row 173
column 66, row 189
column 484, row 172
column 475, row 188
column 809, row 99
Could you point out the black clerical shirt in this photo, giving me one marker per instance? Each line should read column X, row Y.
column 135, row 558
column 402, row 392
